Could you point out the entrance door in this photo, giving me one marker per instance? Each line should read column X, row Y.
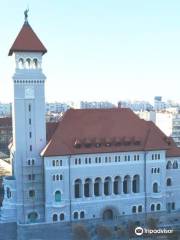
column 108, row 214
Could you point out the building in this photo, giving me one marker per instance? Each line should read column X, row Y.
column 5, row 134
column 92, row 105
column 98, row 163
column 136, row 105
column 5, row 109
column 57, row 107
column 176, row 129
column 163, row 119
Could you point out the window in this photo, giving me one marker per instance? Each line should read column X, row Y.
column 89, row 160
column 60, row 162
column 169, row 165
column 173, row 205
column 77, row 188
column 169, row 182
column 54, row 177
column 86, row 161
column 61, row 217
column 134, row 157
column 97, row 187
column 75, row 215
column 33, row 176
column 76, row 161
column 82, row 214
column 152, row 156
column 87, row 187
column 158, row 170
column 53, row 163
column 152, row 207
column 155, row 156
column 79, row 161
column 140, row 208
column 32, row 216
column 30, row 147
column 96, row 159
column 29, row 162
column 57, row 163
column 138, row 157
column 31, row 193
column 159, row 156
column 57, row 177
column 32, row 161
column 30, row 134
column 106, row 159
column 99, row 159
column 129, row 158
column 29, row 121
column 61, row 177
column 125, row 158
column 29, row 177
column 115, row 158
column 55, row 217
column 134, row 209
column 57, row 196
column 29, row 107
column 119, row 158
column 158, row 207
column 155, row 187
column 117, row 182
column 175, row 165
column 136, row 184
column 107, row 186
column 152, row 170
column 8, row 191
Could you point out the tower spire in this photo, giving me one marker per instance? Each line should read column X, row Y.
column 26, row 15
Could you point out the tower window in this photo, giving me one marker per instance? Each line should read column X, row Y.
column 30, row 147
column 32, row 161
column 30, row 134
column 31, row 193
column 29, row 107
column 29, row 121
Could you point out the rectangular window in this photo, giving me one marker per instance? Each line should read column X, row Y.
column 30, row 147
column 33, row 177
column 29, row 107
column 29, row 121
column 30, row 134
column 32, row 161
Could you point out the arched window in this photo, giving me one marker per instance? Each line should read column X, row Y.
column 98, row 187
column 57, row 177
column 28, row 63
column 55, row 217
column 135, row 184
column 32, row 216
column 54, row 177
column 88, row 187
column 57, row 196
column 169, row 182
column 76, row 215
column 152, row 207
column 140, row 208
column 158, row 207
column 107, row 186
column 8, row 191
column 78, row 188
column 158, row 170
column 117, row 185
column 134, row 209
column 53, row 163
column 126, row 184
column 57, row 163
column 155, row 187
column 61, row 177
column 175, row 165
column 155, row 170
column 82, row 214
column 21, row 63
column 35, row 63
column 61, row 216
column 169, row 165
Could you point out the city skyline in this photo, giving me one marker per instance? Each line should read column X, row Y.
column 99, row 50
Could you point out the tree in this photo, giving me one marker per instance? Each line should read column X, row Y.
column 80, row 232
column 131, row 228
column 104, row 232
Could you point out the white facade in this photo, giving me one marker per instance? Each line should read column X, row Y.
column 112, row 169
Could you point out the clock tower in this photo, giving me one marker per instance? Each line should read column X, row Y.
column 29, row 129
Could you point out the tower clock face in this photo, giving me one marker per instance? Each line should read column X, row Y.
column 29, row 92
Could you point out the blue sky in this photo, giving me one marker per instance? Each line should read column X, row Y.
column 99, row 49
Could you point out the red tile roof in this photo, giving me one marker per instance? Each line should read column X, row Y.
column 106, row 130
column 27, row 41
